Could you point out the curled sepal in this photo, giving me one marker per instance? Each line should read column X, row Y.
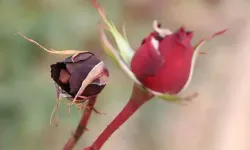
column 117, row 57
column 124, row 49
column 52, row 51
column 108, row 48
column 56, row 107
column 97, row 72
column 173, row 97
column 201, row 42
column 197, row 52
column 160, row 31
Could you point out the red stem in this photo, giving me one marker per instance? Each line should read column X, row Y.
column 81, row 126
column 137, row 99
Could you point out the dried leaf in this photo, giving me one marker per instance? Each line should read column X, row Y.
column 52, row 51
column 95, row 73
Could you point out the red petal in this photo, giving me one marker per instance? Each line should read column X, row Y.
column 146, row 61
column 174, row 74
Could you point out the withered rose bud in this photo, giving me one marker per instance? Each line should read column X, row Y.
column 79, row 78
column 70, row 74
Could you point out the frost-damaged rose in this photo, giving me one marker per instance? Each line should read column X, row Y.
column 79, row 78
column 162, row 65
column 71, row 73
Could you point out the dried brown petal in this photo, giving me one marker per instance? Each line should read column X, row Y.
column 70, row 74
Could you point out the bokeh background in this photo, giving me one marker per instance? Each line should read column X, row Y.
column 217, row 120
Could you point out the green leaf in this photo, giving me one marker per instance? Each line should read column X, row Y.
column 116, row 57
column 124, row 49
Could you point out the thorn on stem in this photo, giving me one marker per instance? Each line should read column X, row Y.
column 94, row 109
column 186, row 100
column 202, row 53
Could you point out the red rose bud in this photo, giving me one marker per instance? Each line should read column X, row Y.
column 162, row 65
column 163, row 62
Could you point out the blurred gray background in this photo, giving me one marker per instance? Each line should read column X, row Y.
column 218, row 119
